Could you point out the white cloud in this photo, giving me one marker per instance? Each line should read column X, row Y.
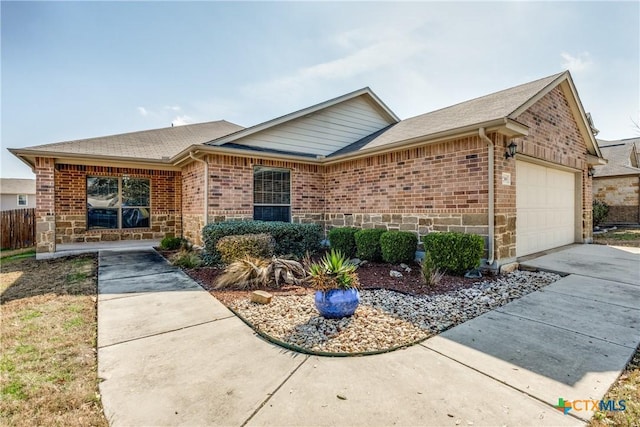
column 143, row 111
column 578, row 63
column 364, row 56
column 172, row 107
column 182, row 120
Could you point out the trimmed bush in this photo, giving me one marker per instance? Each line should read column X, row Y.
column 368, row 244
column 170, row 243
column 398, row 246
column 295, row 239
column 600, row 212
column 233, row 248
column 342, row 239
column 454, row 252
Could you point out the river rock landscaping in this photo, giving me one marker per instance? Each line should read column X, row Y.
column 386, row 318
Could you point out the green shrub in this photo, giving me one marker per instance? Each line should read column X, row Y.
column 170, row 243
column 430, row 273
column 398, row 246
column 187, row 259
column 232, row 248
column 295, row 239
column 342, row 239
column 600, row 212
column 368, row 244
column 454, row 252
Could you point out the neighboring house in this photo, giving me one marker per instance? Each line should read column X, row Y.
column 17, row 193
column 347, row 161
column 618, row 182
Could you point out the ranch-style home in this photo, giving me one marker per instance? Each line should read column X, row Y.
column 511, row 166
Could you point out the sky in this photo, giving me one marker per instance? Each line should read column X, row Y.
column 72, row 70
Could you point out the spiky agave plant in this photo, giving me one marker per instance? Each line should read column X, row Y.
column 334, row 271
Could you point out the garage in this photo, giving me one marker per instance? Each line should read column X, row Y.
column 545, row 206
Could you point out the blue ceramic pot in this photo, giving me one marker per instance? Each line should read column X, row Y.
column 337, row 303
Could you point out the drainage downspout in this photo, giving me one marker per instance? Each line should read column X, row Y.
column 490, row 249
column 206, row 188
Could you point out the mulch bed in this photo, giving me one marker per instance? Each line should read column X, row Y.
column 372, row 275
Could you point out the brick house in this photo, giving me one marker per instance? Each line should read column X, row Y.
column 347, row 161
column 618, row 182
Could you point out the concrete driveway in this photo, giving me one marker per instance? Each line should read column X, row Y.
column 171, row 354
column 614, row 263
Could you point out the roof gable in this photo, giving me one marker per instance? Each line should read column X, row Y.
column 492, row 108
column 319, row 130
column 500, row 109
column 583, row 120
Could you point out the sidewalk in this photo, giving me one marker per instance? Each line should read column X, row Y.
column 171, row 354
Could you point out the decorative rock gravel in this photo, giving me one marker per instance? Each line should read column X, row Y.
column 385, row 319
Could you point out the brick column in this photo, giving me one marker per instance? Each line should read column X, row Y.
column 45, row 205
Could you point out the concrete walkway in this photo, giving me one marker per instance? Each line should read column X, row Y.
column 171, row 354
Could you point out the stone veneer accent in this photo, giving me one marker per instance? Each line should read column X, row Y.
column 421, row 224
column 622, row 194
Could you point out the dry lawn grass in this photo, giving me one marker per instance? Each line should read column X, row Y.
column 626, row 388
column 48, row 372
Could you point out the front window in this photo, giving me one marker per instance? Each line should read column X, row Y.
column 118, row 202
column 22, row 200
column 271, row 194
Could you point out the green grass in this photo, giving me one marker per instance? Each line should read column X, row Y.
column 76, row 277
column 624, row 236
column 17, row 254
column 620, row 237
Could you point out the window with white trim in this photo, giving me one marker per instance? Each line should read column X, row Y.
column 271, row 194
column 23, row 200
column 118, row 202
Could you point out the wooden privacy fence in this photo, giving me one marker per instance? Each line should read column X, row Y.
column 18, row 228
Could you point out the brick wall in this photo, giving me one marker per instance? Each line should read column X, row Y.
column 437, row 187
column 622, row 194
column 231, row 191
column 438, row 178
column 554, row 136
column 45, row 205
column 70, row 204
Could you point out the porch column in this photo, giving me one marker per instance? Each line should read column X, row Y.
column 45, row 205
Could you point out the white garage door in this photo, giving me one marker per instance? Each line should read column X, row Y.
column 545, row 204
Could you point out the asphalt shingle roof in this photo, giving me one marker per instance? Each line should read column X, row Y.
column 149, row 144
column 618, row 153
column 479, row 110
column 157, row 144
